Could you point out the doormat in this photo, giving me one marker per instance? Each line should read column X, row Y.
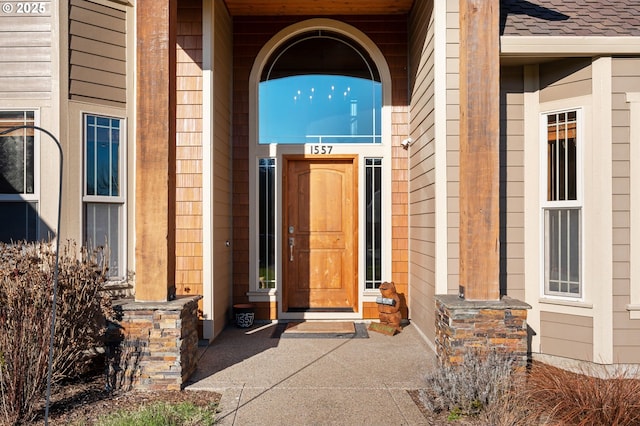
column 321, row 330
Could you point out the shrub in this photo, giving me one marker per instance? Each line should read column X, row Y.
column 26, row 283
column 564, row 397
column 481, row 380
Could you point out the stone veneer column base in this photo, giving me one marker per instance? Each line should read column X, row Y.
column 165, row 335
column 463, row 325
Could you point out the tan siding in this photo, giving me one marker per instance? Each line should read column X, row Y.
column 222, row 214
column 87, row 60
column 566, row 335
column 97, row 53
column 25, row 55
column 511, row 181
column 422, row 255
column 564, row 79
column 189, row 278
column 626, row 332
column 453, row 142
column 81, row 74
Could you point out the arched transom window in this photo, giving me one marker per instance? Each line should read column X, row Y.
column 320, row 87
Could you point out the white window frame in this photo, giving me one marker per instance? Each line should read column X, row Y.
column 36, row 161
column 546, row 205
column 119, row 200
column 35, row 196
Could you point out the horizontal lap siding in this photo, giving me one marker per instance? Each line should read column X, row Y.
column 512, row 182
column 564, row 79
column 453, row 146
column 221, row 205
column 97, row 54
column 25, row 54
column 565, row 335
column 626, row 332
column 422, row 172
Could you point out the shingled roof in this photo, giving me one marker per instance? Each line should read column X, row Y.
column 611, row 18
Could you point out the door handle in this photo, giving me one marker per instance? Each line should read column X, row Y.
column 291, row 244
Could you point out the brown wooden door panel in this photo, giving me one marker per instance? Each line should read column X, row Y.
column 320, row 260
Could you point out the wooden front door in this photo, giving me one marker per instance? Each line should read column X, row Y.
column 320, row 234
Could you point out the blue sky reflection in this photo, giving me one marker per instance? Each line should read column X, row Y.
column 319, row 109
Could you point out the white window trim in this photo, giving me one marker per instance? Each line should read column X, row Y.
column 576, row 204
column 256, row 151
column 634, row 165
column 36, row 164
column 122, row 195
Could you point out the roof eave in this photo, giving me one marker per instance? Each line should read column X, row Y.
column 555, row 46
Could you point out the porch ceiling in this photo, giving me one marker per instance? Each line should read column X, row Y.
column 318, row 7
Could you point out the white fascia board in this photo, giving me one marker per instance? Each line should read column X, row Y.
column 568, row 46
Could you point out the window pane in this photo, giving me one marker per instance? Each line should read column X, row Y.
column 320, row 109
column 562, row 175
column 12, row 165
column 267, row 222
column 373, row 237
column 562, row 252
column 102, row 229
column 320, row 87
column 19, row 221
column 103, row 163
column 102, row 156
column 17, row 156
column 91, row 158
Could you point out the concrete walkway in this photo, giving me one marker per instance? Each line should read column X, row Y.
column 267, row 380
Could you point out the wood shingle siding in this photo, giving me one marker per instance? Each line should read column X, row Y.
column 25, row 55
column 189, row 160
column 97, row 53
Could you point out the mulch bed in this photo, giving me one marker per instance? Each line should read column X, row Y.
column 84, row 401
column 438, row 419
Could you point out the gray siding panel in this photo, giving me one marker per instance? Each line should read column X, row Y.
column 422, row 255
column 512, row 181
column 453, row 144
column 88, row 60
column 25, row 55
column 564, row 79
column 97, row 53
column 626, row 332
column 35, row 69
column 222, row 198
column 565, row 335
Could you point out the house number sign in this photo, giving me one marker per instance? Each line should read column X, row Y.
column 24, row 8
column 320, row 149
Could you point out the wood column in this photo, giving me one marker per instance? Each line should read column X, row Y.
column 479, row 149
column 156, row 24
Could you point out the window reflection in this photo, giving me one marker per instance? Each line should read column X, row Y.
column 320, row 109
column 373, row 232
column 320, row 87
column 267, row 224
